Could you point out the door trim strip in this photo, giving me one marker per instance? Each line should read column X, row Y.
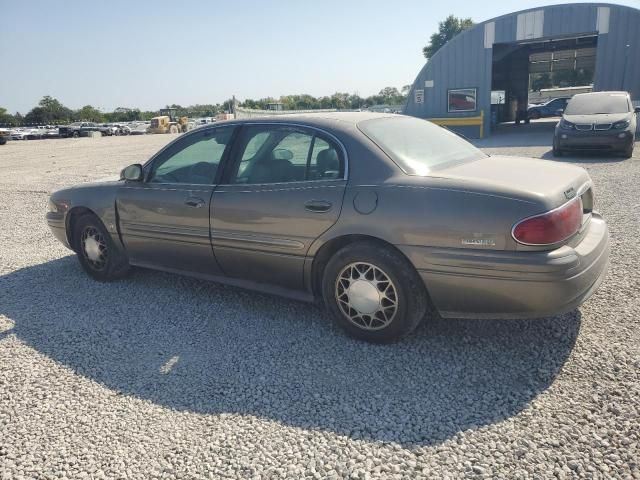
column 255, row 240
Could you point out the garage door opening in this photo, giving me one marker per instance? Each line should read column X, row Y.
column 542, row 73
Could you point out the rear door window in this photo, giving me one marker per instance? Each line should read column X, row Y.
column 283, row 154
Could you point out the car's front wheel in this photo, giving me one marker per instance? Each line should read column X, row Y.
column 628, row 152
column 97, row 254
column 373, row 292
column 557, row 152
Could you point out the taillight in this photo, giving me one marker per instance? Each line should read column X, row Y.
column 550, row 227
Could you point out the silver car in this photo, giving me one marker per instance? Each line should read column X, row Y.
column 597, row 122
column 385, row 218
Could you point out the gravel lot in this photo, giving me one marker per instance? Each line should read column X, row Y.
column 160, row 376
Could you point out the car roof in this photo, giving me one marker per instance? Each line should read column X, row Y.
column 336, row 120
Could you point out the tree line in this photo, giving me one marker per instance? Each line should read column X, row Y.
column 51, row 111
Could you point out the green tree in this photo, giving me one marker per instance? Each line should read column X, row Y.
column 448, row 29
column 541, row 81
column 48, row 111
column 356, row 101
column 565, row 78
column 89, row 114
column 6, row 118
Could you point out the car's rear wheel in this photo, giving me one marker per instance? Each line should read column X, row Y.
column 534, row 115
column 373, row 292
column 76, row 134
column 97, row 254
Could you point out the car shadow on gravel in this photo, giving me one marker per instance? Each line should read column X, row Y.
column 584, row 157
column 205, row 348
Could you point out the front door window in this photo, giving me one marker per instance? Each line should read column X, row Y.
column 194, row 161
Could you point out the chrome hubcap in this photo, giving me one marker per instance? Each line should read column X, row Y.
column 366, row 296
column 94, row 248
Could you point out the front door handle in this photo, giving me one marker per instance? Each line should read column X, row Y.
column 317, row 206
column 194, row 202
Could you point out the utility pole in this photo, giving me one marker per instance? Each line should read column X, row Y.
column 624, row 66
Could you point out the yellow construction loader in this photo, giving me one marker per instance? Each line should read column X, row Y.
column 168, row 122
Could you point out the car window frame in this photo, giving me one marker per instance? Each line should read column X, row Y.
column 174, row 147
column 235, row 155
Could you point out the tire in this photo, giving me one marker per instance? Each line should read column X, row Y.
column 557, row 152
column 534, row 115
column 173, row 129
column 76, row 134
column 373, row 269
column 628, row 152
column 100, row 258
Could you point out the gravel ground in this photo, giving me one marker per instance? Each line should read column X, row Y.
column 160, row 376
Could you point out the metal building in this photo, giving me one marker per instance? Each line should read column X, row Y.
column 477, row 79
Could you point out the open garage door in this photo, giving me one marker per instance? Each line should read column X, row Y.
column 536, row 72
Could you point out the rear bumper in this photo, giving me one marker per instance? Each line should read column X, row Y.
column 492, row 284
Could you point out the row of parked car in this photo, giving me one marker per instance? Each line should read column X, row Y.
column 77, row 129
column 81, row 129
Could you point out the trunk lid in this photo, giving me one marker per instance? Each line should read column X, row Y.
column 547, row 183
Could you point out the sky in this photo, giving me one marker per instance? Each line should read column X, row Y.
column 147, row 54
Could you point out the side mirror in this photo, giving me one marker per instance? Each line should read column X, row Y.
column 132, row 173
column 637, row 109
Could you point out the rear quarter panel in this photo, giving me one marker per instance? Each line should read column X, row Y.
column 429, row 214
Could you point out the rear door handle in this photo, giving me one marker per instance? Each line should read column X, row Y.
column 194, row 202
column 317, row 206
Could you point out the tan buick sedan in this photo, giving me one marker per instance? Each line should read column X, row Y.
column 386, row 218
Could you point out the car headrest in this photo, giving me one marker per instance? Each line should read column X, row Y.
column 328, row 163
column 282, row 154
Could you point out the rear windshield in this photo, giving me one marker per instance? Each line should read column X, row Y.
column 418, row 146
column 595, row 104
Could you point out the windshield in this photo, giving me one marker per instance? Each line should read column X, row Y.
column 418, row 146
column 591, row 104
